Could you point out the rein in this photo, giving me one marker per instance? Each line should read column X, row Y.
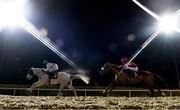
column 38, row 73
column 114, row 69
column 117, row 73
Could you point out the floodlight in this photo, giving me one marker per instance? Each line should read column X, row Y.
column 168, row 23
column 11, row 12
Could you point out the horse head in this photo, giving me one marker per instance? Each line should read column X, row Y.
column 30, row 73
column 108, row 67
column 33, row 71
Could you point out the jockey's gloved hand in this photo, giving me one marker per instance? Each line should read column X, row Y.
column 43, row 70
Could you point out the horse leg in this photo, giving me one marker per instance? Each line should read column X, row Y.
column 151, row 92
column 106, row 90
column 36, row 84
column 159, row 91
column 112, row 87
column 61, row 89
column 72, row 88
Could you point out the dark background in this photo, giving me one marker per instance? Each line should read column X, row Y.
column 91, row 33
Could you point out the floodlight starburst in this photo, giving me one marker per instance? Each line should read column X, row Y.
column 167, row 24
column 11, row 14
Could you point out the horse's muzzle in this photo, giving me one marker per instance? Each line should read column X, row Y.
column 28, row 77
column 102, row 68
column 101, row 72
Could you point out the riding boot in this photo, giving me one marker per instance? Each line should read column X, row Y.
column 135, row 74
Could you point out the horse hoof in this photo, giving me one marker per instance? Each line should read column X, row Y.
column 151, row 95
column 29, row 93
column 60, row 94
column 104, row 92
column 104, row 95
column 163, row 94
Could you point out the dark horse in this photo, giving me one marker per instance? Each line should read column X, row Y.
column 146, row 78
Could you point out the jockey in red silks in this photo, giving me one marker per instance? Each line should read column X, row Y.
column 130, row 67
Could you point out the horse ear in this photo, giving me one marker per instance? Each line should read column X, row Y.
column 30, row 71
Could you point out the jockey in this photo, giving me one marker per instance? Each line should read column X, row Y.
column 51, row 68
column 131, row 67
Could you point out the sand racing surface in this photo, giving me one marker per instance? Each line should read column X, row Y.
column 96, row 102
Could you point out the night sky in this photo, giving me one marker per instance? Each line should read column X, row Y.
column 91, row 33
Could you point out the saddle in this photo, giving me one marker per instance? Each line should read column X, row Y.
column 52, row 75
column 130, row 73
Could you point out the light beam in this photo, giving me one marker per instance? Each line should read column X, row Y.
column 144, row 45
column 43, row 39
column 152, row 36
column 2, row 27
column 11, row 14
column 146, row 10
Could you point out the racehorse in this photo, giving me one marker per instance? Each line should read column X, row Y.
column 63, row 79
column 146, row 78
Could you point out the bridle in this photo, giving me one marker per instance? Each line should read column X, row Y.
column 113, row 68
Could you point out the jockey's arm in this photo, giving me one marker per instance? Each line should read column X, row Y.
column 56, row 67
column 120, row 66
column 52, row 67
column 133, row 68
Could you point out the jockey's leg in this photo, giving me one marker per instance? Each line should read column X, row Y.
column 132, row 73
column 135, row 74
column 50, row 76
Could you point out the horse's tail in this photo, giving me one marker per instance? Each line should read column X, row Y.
column 160, row 81
column 84, row 78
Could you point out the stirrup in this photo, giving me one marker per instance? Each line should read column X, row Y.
column 135, row 75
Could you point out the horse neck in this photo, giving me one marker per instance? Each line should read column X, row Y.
column 113, row 68
column 39, row 73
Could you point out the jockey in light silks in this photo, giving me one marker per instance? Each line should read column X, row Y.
column 51, row 68
column 130, row 67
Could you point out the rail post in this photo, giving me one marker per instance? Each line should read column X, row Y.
column 129, row 93
column 14, row 93
column 170, row 93
column 38, row 92
column 85, row 93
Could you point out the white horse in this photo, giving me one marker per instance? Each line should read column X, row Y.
column 63, row 79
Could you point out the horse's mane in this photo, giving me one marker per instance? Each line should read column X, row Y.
column 143, row 72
